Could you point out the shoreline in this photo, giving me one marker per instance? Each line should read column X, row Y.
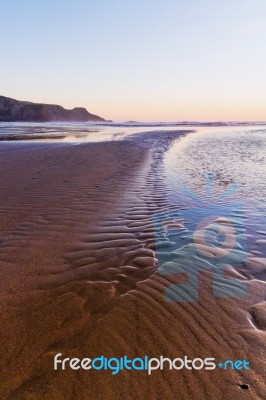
column 79, row 277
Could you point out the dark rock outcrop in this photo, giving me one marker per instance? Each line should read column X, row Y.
column 19, row 111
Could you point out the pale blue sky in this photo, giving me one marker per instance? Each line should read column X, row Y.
column 138, row 60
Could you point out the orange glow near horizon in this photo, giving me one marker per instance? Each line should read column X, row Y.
column 183, row 60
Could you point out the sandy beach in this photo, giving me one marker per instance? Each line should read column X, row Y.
column 79, row 276
column 132, row 200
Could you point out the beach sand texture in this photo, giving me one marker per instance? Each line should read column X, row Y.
column 79, row 277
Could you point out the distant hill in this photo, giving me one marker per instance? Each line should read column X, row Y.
column 24, row 111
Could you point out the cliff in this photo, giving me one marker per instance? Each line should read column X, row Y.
column 19, row 111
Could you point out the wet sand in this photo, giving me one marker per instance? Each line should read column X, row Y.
column 79, row 277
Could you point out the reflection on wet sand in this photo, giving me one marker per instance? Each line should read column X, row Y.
column 100, row 241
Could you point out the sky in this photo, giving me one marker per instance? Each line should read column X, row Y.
column 141, row 60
